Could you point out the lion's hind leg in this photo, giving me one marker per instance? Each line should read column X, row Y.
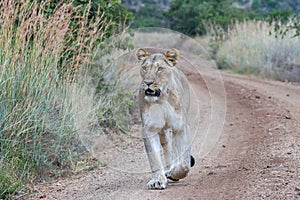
column 181, row 151
column 166, row 143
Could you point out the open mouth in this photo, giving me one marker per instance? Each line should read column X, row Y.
column 152, row 93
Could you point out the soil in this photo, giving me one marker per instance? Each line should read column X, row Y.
column 255, row 156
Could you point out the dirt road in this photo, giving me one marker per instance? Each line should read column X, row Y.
column 256, row 155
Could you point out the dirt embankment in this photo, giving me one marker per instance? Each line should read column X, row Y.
column 256, row 157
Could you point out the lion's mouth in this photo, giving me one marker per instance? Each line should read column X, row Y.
column 152, row 93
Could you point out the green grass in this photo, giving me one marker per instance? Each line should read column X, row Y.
column 36, row 128
column 251, row 49
column 39, row 115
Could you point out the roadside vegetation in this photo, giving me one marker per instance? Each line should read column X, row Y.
column 44, row 48
column 249, row 48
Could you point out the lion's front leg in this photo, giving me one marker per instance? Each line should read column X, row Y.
column 166, row 143
column 156, row 160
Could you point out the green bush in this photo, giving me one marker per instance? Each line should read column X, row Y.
column 148, row 16
column 191, row 17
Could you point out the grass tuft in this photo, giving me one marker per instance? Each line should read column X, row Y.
column 251, row 49
column 40, row 54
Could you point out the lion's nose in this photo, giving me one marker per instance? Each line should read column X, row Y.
column 148, row 83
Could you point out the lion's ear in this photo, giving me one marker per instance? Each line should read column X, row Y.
column 141, row 54
column 172, row 56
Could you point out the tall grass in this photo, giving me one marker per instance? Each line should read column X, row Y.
column 251, row 49
column 38, row 56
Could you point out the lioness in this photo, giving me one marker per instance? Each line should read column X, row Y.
column 164, row 103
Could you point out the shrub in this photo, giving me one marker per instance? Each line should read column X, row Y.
column 191, row 17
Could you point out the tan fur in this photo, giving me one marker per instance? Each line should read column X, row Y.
column 164, row 117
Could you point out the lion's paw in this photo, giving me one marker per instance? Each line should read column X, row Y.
column 159, row 183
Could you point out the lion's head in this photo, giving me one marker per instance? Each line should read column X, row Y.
column 156, row 70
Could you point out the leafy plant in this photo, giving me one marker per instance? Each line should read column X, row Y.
column 115, row 114
column 190, row 17
column 148, row 16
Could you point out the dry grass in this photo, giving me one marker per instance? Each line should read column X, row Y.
column 250, row 49
column 39, row 55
